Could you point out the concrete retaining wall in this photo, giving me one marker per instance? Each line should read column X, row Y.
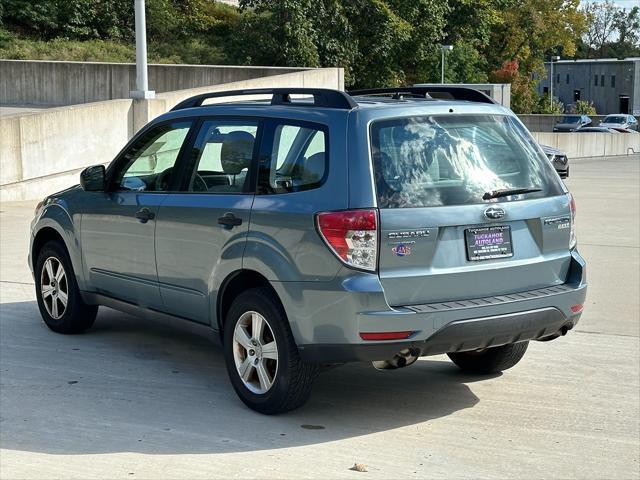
column 42, row 152
column 579, row 145
column 545, row 123
column 34, row 82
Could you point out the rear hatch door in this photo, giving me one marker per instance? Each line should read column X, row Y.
column 450, row 228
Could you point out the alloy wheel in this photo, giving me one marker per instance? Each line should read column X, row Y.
column 255, row 352
column 54, row 287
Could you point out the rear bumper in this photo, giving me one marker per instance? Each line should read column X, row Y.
column 327, row 321
column 457, row 336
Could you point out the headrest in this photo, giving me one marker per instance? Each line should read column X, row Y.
column 236, row 152
column 314, row 167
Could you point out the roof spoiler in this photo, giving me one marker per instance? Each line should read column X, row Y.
column 434, row 92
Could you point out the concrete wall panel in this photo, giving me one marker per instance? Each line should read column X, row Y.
column 10, row 163
column 34, row 82
column 43, row 152
column 579, row 145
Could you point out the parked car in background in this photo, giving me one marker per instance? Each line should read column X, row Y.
column 621, row 120
column 597, row 130
column 558, row 159
column 571, row 123
column 377, row 225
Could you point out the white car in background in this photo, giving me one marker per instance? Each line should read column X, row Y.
column 620, row 120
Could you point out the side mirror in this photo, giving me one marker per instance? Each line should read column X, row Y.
column 92, row 179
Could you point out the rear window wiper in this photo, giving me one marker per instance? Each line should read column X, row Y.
column 505, row 192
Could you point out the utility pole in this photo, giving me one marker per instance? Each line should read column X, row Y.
column 142, row 81
column 554, row 58
column 443, row 49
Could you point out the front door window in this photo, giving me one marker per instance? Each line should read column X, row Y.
column 148, row 165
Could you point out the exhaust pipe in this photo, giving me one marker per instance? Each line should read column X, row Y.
column 403, row 358
column 560, row 333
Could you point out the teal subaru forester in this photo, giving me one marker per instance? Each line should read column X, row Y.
column 314, row 227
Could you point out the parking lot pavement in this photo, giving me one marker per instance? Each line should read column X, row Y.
column 135, row 399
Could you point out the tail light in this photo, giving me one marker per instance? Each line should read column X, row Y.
column 572, row 234
column 352, row 235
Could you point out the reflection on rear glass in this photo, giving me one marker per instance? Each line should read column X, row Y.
column 454, row 160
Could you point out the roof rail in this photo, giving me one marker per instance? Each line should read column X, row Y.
column 457, row 93
column 322, row 97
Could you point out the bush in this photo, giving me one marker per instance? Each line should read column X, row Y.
column 544, row 106
column 584, row 107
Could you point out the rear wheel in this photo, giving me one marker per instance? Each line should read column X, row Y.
column 59, row 301
column 490, row 360
column 262, row 359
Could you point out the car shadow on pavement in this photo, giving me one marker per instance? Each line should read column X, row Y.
column 132, row 385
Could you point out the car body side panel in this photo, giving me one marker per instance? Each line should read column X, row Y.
column 194, row 253
column 283, row 243
column 60, row 215
column 118, row 249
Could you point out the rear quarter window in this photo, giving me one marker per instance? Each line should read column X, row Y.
column 298, row 159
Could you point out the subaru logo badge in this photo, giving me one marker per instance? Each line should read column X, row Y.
column 494, row 213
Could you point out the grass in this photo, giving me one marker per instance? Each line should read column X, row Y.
column 194, row 51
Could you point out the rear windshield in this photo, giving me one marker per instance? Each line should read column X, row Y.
column 455, row 159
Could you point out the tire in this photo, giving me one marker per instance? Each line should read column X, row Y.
column 75, row 316
column 291, row 378
column 491, row 360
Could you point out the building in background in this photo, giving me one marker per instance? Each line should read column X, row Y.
column 612, row 85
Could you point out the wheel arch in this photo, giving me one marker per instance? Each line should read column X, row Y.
column 56, row 224
column 236, row 283
column 44, row 235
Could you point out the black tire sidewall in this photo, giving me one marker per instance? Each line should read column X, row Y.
column 256, row 300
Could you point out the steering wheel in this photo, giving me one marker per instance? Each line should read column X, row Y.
column 198, row 184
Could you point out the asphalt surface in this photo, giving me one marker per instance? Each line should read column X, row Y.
column 135, row 399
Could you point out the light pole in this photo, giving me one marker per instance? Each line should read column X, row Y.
column 444, row 48
column 142, row 82
column 554, row 58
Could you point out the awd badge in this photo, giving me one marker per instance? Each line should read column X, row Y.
column 401, row 250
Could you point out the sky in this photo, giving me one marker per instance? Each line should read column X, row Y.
column 622, row 3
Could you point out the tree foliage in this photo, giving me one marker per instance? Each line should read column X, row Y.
column 611, row 32
column 377, row 42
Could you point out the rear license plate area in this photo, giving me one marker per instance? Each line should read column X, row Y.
column 488, row 243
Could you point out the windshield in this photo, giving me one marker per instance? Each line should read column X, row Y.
column 455, row 159
column 570, row 119
column 614, row 119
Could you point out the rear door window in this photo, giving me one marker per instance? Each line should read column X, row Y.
column 455, row 159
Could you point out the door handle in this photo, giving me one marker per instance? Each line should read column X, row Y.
column 229, row 220
column 144, row 215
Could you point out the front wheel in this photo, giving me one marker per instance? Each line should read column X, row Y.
column 59, row 301
column 262, row 359
column 490, row 360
